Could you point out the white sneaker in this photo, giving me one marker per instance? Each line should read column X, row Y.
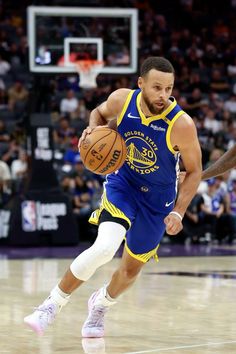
column 43, row 316
column 98, row 305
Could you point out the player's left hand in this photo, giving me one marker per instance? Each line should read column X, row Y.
column 173, row 224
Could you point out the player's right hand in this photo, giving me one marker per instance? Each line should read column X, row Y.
column 173, row 224
column 86, row 132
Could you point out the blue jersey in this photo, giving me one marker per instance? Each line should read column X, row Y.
column 151, row 160
column 143, row 191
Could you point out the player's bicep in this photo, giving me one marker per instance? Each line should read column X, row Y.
column 105, row 111
column 191, row 157
column 190, row 150
column 112, row 107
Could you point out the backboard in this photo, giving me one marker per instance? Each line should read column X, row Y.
column 59, row 36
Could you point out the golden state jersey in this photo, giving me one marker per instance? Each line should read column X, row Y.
column 151, row 160
column 144, row 190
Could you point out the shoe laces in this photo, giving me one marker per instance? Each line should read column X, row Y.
column 96, row 318
column 48, row 313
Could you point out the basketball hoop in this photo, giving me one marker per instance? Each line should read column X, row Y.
column 88, row 71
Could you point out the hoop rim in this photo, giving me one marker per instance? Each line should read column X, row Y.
column 84, row 65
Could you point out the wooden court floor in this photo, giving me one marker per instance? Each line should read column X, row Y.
column 183, row 305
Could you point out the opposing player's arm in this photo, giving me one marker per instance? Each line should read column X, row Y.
column 110, row 109
column 184, row 138
column 222, row 165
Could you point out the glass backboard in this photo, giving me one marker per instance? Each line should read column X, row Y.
column 59, row 36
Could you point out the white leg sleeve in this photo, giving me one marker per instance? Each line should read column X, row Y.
column 109, row 239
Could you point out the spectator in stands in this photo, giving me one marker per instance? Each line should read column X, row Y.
column 194, row 57
column 17, row 96
column 211, row 123
column 212, row 208
column 89, row 99
column 183, row 79
column 80, row 170
column 67, row 186
column 214, row 156
column 69, row 104
column 82, row 112
column 231, row 68
column 5, row 179
column 227, row 120
column 206, row 139
column 4, row 135
column 63, row 134
column 197, row 82
column 82, row 196
column 192, row 226
column 220, row 29
column 230, row 104
column 194, row 102
column 19, row 166
column 19, row 171
column 232, row 138
column 15, row 56
column 2, row 84
column 3, row 96
column 72, row 155
column 218, row 82
column 11, row 153
column 231, row 209
column 4, row 66
column 93, row 181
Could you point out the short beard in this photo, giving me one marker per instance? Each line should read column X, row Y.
column 151, row 107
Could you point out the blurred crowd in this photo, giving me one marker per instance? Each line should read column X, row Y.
column 203, row 51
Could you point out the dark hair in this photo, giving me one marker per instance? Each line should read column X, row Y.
column 157, row 63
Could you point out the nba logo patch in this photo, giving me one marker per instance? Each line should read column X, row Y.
column 28, row 212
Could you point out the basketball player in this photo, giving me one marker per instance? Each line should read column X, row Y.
column 222, row 165
column 139, row 201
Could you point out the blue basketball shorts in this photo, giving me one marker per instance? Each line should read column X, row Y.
column 143, row 208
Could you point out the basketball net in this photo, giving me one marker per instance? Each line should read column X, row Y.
column 88, row 71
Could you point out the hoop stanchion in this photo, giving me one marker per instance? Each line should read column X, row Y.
column 88, row 71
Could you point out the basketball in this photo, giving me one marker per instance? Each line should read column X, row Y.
column 103, row 151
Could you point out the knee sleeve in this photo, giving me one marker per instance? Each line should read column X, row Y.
column 109, row 239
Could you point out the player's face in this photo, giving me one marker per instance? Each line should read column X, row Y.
column 156, row 89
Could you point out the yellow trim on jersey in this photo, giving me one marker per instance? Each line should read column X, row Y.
column 127, row 101
column 94, row 217
column 168, row 142
column 111, row 208
column 146, row 121
column 143, row 257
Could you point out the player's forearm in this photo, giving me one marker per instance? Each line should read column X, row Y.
column 225, row 163
column 187, row 191
column 96, row 119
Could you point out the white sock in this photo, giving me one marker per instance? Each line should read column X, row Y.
column 59, row 296
column 103, row 300
column 109, row 297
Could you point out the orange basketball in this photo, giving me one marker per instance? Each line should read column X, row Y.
column 103, row 151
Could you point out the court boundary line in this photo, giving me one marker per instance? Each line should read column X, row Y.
column 182, row 347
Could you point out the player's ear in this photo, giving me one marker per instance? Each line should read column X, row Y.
column 140, row 82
